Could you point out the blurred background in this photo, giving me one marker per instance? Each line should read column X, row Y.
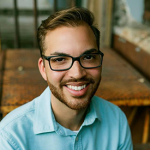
column 125, row 31
column 112, row 16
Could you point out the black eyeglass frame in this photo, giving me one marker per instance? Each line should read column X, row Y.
column 73, row 60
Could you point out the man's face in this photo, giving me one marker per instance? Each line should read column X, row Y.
column 74, row 87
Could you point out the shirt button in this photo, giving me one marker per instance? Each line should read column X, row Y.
column 77, row 139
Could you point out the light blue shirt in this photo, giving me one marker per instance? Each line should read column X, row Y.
column 33, row 127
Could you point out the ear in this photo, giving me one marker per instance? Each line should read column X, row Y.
column 42, row 68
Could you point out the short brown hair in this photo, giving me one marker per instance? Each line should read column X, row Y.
column 69, row 17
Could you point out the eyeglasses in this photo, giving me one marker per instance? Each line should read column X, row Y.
column 64, row 62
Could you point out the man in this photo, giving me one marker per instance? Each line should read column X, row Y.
column 67, row 115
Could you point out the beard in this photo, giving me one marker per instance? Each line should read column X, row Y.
column 75, row 102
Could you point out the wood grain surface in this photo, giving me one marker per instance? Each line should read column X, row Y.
column 121, row 84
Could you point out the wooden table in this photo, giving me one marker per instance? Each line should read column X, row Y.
column 21, row 80
column 121, row 84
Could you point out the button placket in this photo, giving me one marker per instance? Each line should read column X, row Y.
column 78, row 143
column 77, row 138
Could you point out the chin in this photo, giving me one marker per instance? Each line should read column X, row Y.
column 73, row 102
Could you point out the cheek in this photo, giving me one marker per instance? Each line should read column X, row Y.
column 55, row 77
column 95, row 73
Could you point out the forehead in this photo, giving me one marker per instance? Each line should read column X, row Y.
column 71, row 40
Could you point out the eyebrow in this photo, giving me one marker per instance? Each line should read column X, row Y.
column 90, row 51
column 65, row 54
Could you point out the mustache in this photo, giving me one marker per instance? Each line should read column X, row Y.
column 84, row 79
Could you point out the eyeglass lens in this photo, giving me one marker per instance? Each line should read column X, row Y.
column 65, row 62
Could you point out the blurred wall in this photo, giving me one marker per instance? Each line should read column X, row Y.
column 136, row 8
column 102, row 10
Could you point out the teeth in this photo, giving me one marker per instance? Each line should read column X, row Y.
column 76, row 88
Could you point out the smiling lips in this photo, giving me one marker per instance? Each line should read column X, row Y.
column 76, row 88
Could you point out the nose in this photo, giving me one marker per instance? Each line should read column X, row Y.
column 76, row 71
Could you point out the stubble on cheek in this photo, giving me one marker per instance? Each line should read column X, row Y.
column 75, row 103
column 55, row 91
column 58, row 94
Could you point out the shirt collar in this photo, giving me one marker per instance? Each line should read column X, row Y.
column 44, row 117
column 93, row 113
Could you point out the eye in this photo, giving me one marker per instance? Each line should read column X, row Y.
column 57, row 59
column 88, row 57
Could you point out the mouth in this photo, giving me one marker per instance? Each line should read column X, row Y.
column 77, row 88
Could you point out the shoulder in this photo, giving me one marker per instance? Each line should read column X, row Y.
column 113, row 118
column 104, row 104
column 21, row 114
column 16, row 123
column 107, row 109
column 24, row 116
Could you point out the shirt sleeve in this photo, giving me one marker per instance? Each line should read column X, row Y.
column 6, row 142
column 125, row 134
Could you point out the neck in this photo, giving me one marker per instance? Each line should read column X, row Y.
column 67, row 117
